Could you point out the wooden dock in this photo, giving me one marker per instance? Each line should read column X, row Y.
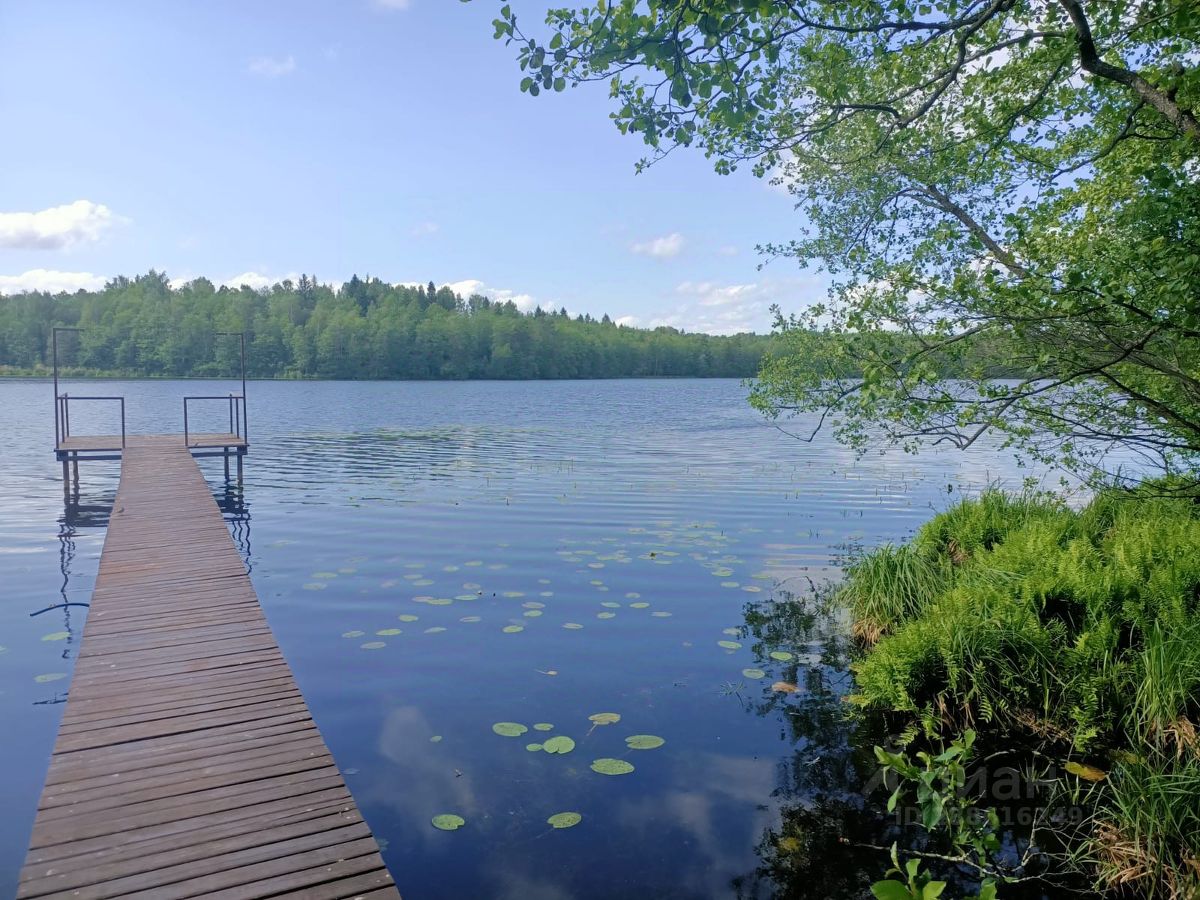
column 187, row 763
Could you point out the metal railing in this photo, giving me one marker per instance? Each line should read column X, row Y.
column 238, row 424
column 62, row 416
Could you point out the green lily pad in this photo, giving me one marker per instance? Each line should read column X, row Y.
column 532, row 613
column 533, row 604
column 436, row 629
column 466, row 596
column 388, row 632
column 436, row 739
column 559, row 744
column 632, row 595
column 754, row 673
column 373, row 645
column 512, row 595
column 439, row 601
column 543, row 726
column 564, row 820
column 605, row 718
column 608, row 766
column 573, row 626
column 56, row 636
column 611, row 604
column 729, row 645
column 512, row 629
column 448, row 822
column 49, row 676
column 641, row 604
column 660, row 614
column 533, row 748
column 606, row 615
column 781, row 656
column 732, row 632
column 644, row 742
column 353, row 634
column 509, row 729
column 407, row 617
column 471, row 619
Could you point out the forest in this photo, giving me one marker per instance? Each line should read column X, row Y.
column 366, row 329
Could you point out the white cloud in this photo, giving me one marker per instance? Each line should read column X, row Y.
column 270, row 67
column 391, row 4
column 57, row 227
column 661, row 247
column 628, row 321
column 50, row 280
column 469, row 286
column 258, row 280
column 421, row 229
column 732, row 308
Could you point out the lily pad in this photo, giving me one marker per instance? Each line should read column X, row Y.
column 559, row 744
column 373, row 645
column 605, row 718
column 564, row 820
column 533, row 748
column 573, row 626
column 353, row 634
column 388, row 632
column 543, row 726
column 661, row 614
column 606, row 615
column 608, row 766
column 436, row 629
column 644, row 742
column 49, row 676
column 315, row 586
column 732, row 632
column 512, row 629
column 533, row 604
column 436, row 739
column 729, row 645
column 448, row 822
column 56, row 636
column 471, row 619
column 754, row 673
column 641, row 604
column 407, row 617
column 509, row 729
column 611, row 604
column 532, row 613
column 781, row 656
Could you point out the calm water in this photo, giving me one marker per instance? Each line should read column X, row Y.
column 435, row 558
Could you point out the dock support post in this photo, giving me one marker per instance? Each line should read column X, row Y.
column 66, row 480
column 239, row 464
column 226, row 456
column 75, row 470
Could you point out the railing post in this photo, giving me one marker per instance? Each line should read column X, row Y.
column 122, row 423
column 186, row 442
column 66, row 415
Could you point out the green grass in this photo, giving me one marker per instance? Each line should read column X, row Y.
column 1082, row 627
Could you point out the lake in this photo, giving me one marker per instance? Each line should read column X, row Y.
column 436, row 559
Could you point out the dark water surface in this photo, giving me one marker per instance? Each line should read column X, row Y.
column 435, row 558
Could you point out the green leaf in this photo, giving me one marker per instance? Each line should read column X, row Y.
column 564, row 820
column 559, row 744
column 606, row 718
column 448, row 822
column 509, row 729
column 608, row 766
column 890, row 890
column 644, row 742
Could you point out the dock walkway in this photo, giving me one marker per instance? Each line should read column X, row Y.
column 187, row 763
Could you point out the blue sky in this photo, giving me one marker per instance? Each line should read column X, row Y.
column 253, row 140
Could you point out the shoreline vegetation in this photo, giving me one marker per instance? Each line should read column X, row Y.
column 365, row 330
column 1069, row 637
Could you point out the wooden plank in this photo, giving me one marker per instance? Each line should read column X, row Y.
column 187, row 762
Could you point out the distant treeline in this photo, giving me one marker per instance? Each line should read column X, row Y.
column 366, row 329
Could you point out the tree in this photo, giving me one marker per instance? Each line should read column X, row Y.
column 985, row 181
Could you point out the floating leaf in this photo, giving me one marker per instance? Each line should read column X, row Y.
column 543, row 726
column 512, row 629
column 388, row 632
column 465, row 596
column 353, row 634
column 781, row 655
column 407, row 617
column 641, row 604
column 49, row 676
column 605, row 718
column 632, row 595
column 611, row 604
column 751, row 589
column 784, row 687
column 608, row 766
column 533, row 748
column 754, row 673
column 514, row 594
column 564, row 820
column 471, row 619
column 509, row 729
column 436, row 739
column 644, row 742
column 56, row 636
column 374, row 645
column 729, row 645
column 606, row 615
column 532, row 613
column 421, row 582
column 573, row 626
column 436, row 629
column 315, row 586
column 733, row 632
column 439, row 601
column 448, row 822
column 325, row 575
column 730, row 584
column 660, row 614
column 559, row 744
column 533, row 604
column 722, row 573
column 1086, row 772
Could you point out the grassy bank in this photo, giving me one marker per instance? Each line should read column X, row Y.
column 1077, row 628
